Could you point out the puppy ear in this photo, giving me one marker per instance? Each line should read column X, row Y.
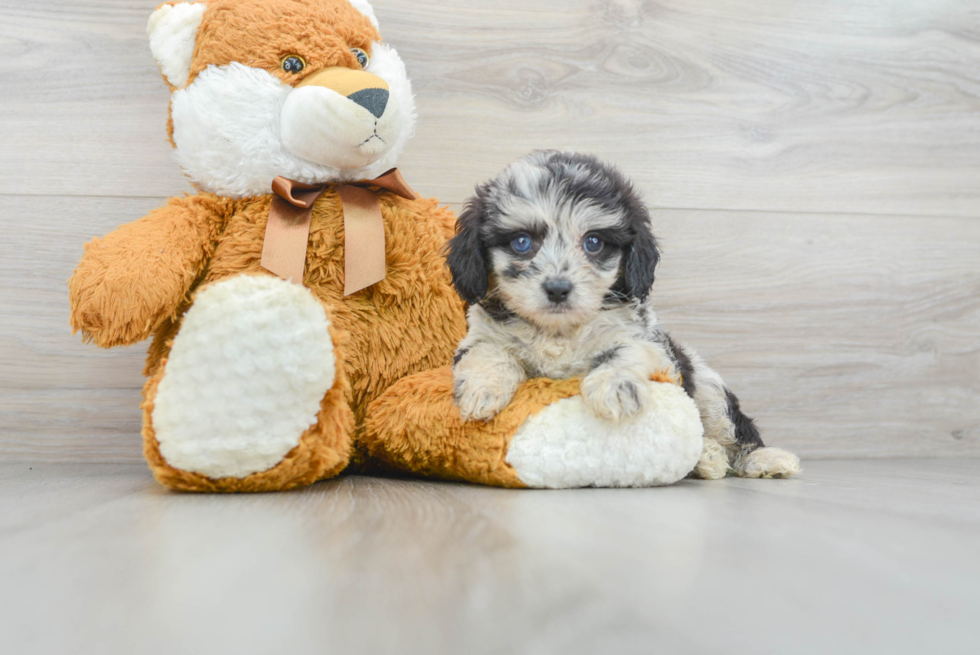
column 643, row 256
column 466, row 254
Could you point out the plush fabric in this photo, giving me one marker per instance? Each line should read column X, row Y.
column 409, row 322
column 133, row 280
column 322, row 452
column 259, row 33
column 566, row 445
column 140, row 280
column 234, row 115
column 245, row 377
column 173, row 30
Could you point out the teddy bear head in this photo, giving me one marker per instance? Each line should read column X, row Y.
column 299, row 88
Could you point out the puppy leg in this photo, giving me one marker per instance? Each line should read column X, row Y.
column 713, row 464
column 725, row 423
column 485, row 379
column 712, row 401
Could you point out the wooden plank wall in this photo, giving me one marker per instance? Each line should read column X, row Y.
column 814, row 169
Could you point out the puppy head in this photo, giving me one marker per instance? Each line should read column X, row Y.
column 300, row 88
column 554, row 238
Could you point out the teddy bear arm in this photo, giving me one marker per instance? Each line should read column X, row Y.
column 130, row 281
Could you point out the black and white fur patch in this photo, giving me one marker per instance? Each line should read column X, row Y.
column 556, row 259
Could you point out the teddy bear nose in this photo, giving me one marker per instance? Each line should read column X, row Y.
column 374, row 100
column 557, row 290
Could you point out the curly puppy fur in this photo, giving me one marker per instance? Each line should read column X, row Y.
column 556, row 260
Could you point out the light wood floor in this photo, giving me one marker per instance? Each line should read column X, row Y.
column 852, row 557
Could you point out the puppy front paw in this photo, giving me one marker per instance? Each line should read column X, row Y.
column 613, row 395
column 481, row 400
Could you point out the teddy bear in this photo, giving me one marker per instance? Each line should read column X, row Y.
column 302, row 317
column 258, row 381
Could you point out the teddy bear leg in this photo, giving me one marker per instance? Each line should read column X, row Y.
column 546, row 437
column 252, row 396
column 415, row 428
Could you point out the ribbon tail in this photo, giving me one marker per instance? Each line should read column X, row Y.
column 286, row 237
column 364, row 239
column 394, row 182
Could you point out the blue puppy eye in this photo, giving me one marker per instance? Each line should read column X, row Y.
column 521, row 244
column 592, row 244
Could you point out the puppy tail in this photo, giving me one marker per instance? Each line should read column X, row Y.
column 747, row 436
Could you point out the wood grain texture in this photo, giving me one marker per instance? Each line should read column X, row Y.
column 844, row 335
column 834, row 106
column 852, row 557
column 832, row 272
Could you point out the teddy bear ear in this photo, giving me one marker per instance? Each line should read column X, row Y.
column 173, row 33
column 365, row 8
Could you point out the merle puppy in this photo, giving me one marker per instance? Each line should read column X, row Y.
column 556, row 259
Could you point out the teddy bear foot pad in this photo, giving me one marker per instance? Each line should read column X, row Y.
column 245, row 377
column 567, row 446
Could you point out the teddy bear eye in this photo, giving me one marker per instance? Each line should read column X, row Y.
column 292, row 64
column 362, row 57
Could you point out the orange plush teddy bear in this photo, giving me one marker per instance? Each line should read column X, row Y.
column 302, row 315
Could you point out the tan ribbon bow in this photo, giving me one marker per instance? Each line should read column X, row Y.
column 288, row 232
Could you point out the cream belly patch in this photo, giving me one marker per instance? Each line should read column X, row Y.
column 245, row 377
column 566, row 445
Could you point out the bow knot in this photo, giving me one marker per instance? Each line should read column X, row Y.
column 288, row 230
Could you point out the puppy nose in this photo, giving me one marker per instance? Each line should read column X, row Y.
column 374, row 100
column 557, row 290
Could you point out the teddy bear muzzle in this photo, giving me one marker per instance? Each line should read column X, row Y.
column 340, row 117
column 364, row 89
